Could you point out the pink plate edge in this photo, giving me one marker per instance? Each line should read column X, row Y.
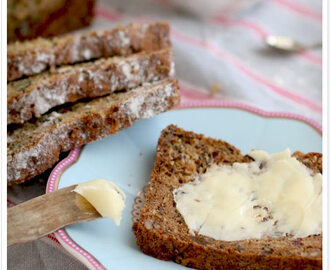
column 65, row 240
column 86, row 258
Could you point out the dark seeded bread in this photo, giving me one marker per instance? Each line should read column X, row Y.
column 33, row 96
column 32, row 18
column 32, row 57
column 35, row 147
column 161, row 231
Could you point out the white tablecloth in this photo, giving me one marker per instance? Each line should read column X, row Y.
column 216, row 58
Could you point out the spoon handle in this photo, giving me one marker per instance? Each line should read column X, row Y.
column 314, row 45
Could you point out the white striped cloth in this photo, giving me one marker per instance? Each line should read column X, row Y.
column 231, row 52
column 224, row 51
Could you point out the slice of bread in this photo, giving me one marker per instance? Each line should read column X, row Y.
column 28, row 19
column 32, row 57
column 34, row 96
column 161, row 230
column 35, row 147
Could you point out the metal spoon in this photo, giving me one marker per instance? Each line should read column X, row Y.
column 287, row 44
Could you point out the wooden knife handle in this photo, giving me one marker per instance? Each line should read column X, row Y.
column 47, row 213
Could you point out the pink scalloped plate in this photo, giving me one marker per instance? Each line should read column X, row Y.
column 129, row 156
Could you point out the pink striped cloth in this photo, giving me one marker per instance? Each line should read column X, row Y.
column 220, row 53
column 230, row 52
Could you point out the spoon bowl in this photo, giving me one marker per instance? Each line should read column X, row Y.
column 287, row 44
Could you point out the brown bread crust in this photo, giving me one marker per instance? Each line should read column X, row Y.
column 162, row 233
column 34, row 96
column 29, row 19
column 35, row 147
column 32, row 57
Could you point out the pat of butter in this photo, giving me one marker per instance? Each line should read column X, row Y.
column 272, row 196
column 107, row 198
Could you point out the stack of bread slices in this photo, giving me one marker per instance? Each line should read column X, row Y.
column 67, row 91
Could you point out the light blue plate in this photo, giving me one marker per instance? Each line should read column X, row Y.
column 127, row 159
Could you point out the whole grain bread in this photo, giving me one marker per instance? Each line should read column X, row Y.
column 35, row 147
column 29, row 19
column 32, row 57
column 161, row 230
column 34, row 96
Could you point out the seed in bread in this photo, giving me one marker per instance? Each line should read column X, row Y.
column 161, row 230
column 35, row 147
column 34, row 96
column 32, row 57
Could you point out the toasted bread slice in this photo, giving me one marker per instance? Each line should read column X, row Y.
column 27, row 19
column 35, row 147
column 32, row 57
column 161, row 230
column 32, row 97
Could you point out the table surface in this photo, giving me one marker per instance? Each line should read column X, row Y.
column 217, row 57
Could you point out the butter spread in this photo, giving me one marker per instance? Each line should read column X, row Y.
column 107, row 198
column 274, row 195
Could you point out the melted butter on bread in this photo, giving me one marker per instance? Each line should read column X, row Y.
column 274, row 195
